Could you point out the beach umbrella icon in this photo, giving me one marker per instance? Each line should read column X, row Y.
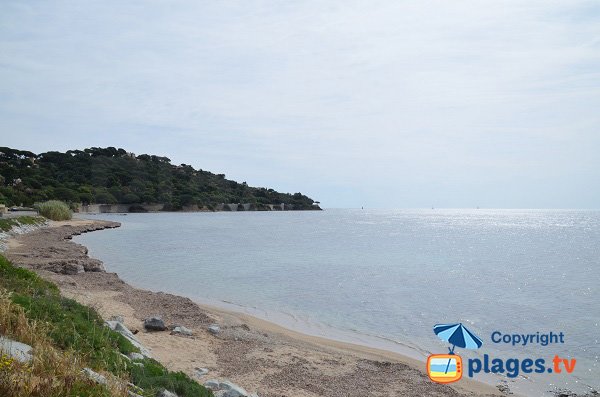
column 457, row 335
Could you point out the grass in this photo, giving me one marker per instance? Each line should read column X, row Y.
column 74, row 336
column 9, row 223
column 153, row 376
column 52, row 372
column 55, row 210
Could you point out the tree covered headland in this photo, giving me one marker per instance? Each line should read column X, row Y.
column 110, row 176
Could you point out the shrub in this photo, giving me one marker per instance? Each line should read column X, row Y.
column 55, row 210
column 153, row 376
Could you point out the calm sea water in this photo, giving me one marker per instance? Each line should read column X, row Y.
column 384, row 277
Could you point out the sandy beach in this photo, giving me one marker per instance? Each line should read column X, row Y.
column 260, row 356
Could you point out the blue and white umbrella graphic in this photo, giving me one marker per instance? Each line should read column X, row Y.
column 458, row 335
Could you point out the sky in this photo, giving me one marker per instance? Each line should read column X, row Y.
column 381, row 104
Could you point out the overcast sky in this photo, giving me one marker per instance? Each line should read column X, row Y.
column 374, row 103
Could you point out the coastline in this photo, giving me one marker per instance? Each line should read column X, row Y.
column 255, row 353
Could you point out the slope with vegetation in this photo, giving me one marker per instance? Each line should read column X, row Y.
column 67, row 337
column 110, row 175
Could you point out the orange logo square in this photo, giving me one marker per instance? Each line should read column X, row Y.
column 444, row 368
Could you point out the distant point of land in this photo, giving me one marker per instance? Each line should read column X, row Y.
column 115, row 178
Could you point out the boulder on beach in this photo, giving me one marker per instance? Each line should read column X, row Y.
column 214, row 329
column 155, row 324
column 232, row 390
column 200, row 372
column 226, row 388
column 212, row 384
column 181, row 330
column 119, row 327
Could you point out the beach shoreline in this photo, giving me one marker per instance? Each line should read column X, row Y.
column 255, row 353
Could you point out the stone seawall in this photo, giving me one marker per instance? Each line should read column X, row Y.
column 121, row 208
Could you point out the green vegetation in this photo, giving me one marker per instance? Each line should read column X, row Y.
column 9, row 223
column 110, row 175
column 52, row 372
column 55, row 210
column 71, row 336
column 153, row 376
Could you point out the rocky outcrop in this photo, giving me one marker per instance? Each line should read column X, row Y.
column 54, row 252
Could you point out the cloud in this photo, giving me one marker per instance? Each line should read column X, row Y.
column 395, row 103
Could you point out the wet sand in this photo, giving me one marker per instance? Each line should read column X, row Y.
column 258, row 355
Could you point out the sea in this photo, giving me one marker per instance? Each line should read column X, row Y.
column 384, row 278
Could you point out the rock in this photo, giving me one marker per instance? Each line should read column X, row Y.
column 232, row 389
column 123, row 330
column 165, row 393
column 93, row 265
column 154, row 324
column 212, row 384
column 95, row 376
column 200, row 372
column 111, row 324
column 225, row 388
column 63, row 267
column 214, row 329
column 118, row 319
column 135, row 356
column 17, row 350
column 181, row 330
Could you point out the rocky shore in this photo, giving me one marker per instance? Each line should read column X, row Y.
column 233, row 354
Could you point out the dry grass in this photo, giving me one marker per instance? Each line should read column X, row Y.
column 67, row 336
column 52, row 372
